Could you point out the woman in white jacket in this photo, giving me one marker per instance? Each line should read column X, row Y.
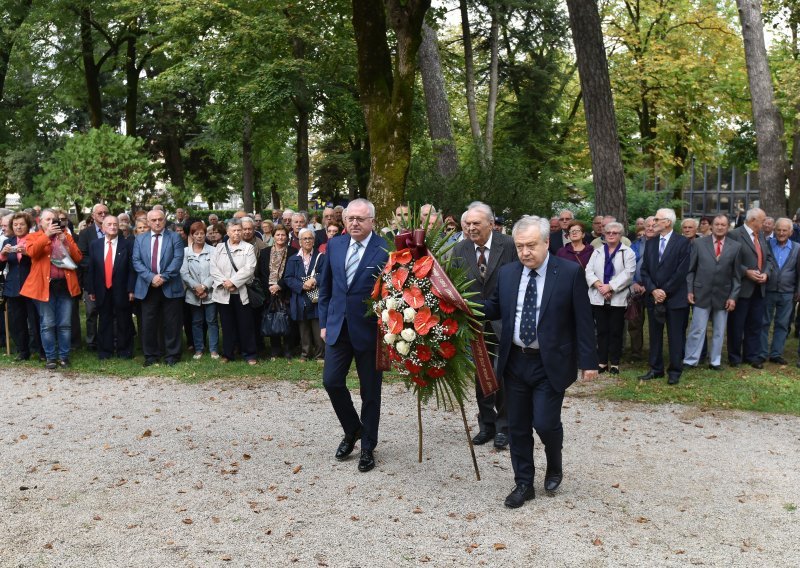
column 609, row 274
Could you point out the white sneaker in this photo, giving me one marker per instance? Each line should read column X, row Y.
column 197, row 355
column 214, row 355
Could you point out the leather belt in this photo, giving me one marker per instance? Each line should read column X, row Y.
column 525, row 350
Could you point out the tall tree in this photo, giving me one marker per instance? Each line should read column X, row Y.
column 387, row 91
column 598, row 106
column 15, row 13
column 766, row 117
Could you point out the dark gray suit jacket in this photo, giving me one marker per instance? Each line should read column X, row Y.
column 713, row 281
column 749, row 260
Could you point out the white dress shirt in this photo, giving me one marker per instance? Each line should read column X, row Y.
column 523, row 286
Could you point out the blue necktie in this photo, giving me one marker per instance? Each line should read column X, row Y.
column 352, row 262
column 661, row 248
column 527, row 326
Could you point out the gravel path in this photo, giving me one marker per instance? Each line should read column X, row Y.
column 100, row 472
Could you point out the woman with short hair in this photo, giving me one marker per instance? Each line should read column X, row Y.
column 196, row 275
column 301, row 278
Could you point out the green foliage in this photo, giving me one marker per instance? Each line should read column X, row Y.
column 100, row 165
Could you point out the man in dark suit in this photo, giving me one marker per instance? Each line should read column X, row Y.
column 157, row 260
column 747, row 320
column 560, row 238
column 92, row 232
column 548, row 334
column 713, row 282
column 110, row 282
column 346, row 280
column 664, row 269
column 482, row 253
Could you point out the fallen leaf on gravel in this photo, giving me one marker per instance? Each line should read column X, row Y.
column 282, row 497
column 470, row 516
column 681, row 551
column 23, row 437
column 225, row 558
column 711, row 437
column 97, row 518
column 642, row 520
column 615, row 486
column 187, row 521
column 131, row 526
column 698, row 425
column 569, row 505
column 215, row 520
column 417, row 511
column 272, row 487
column 48, row 546
column 146, row 434
column 354, row 518
column 297, row 469
column 425, row 559
column 452, row 515
column 198, row 485
column 597, row 542
column 499, row 546
column 245, row 456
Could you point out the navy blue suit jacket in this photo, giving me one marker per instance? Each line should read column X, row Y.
column 17, row 271
column 670, row 273
column 171, row 261
column 123, row 277
column 338, row 302
column 566, row 327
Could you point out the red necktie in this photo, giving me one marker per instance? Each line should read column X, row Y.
column 719, row 247
column 154, row 257
column 759, row 254
column 109, row 263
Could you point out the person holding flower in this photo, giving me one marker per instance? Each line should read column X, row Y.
column 354, row 261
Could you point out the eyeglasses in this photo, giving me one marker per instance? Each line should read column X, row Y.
column 306, row 238
column 565, row 218
column 612, row 232
column 576, row 232
column 358, row 220
column 657, row 219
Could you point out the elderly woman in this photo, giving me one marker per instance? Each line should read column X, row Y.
column 52, row 284
column 271, row 269
column 215, row 233
column 23, row 321
column 196, row 275
column 609, row 274
column 267, row 228
column 576, row 249
column 233, row 266
column 301, row 278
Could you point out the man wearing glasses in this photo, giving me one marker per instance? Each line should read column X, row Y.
column 90, row 233
column 560, row 238
column 355, row 260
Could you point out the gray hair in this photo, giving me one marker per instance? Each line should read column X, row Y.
column 751, row 213
column 691, row 221
column 528, row 221
column 247, row 219
column 362, row 201
column 784, row 220
column 650, row 218
column 668, row 214
column 233, row 222
column 302, row 214
column 287, row 211
column 617, row 226
column 481, row 207
column 303, row 231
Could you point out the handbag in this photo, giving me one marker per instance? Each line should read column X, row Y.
column 313, row 294
column 255, row 293
column 635, row 307
column 276, row 319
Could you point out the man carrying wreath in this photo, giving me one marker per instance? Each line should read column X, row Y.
column 355, row 260
column 547, row 335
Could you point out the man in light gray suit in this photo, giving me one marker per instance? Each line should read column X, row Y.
column 714, row 282
column 482, row 253
column 782, row 290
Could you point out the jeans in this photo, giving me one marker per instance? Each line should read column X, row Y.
column 207, row 312
column 55, row 319
column 779, row 308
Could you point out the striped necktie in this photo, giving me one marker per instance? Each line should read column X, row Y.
column 352, row 261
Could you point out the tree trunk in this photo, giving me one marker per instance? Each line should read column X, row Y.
column 598, row 106
column 491, row 107
column 170, row 145
column 131, row 85
column 301, row 163
column 14, row 20
column 387, row 92
column 437, row 105
column 90, row 70
column 275, row 197
column 469, row 83
column 794, row 170
column 248, row 168
column 359, row 150
column 766, row 117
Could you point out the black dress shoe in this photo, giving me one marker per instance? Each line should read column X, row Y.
column 50, row 365
column 649, row 375
column 757, row 364
column 521, row 493
column 366, row 462
column 150, row 362
column 778, row 360
column 612, row 370
column 733, row 364
column 715, row 367
column 171, row 362
column 63, row 363
column 552, row 479
column 482, row 437
column 500, row 441
column 347, row 444
column 673, row 379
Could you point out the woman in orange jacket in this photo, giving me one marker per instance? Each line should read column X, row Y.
column 52, row 283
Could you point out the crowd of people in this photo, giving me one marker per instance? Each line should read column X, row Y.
column 294, row 285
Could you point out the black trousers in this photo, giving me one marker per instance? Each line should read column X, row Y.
column 492, row 416
column 533, row 404
column 744, row 329
column 338, row 358
column 115, row 328
column 237, row 329
column 676, row 320
column 91, row 321
column 609, row 322
column 161, row 314
column 23, row 326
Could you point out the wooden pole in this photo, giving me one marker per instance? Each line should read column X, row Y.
column 419, row 426
column 8, row 339
column 469, row 441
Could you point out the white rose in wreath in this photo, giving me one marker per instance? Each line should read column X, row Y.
column 391, row 304
column 409, row 314
column 390, row 338
column 385, row 316
column 408, row 334
column 402, row 347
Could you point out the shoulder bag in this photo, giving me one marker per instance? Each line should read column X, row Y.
column 313, row 294
column 255, row 293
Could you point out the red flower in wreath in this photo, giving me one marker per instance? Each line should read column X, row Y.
column 450, row 326
column 447, row 349
column 419, row 381
column 402, row 256
column 393, row 354
column 412, row 367
column 413, row 297
column 423, row 266
column 376, row 290
column 425, row 320
column 424, row 353
column 446, row 306
column 436, row 373
column 395, row 323
column 399, row 277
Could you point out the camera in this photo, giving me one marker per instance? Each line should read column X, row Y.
column 13, row 249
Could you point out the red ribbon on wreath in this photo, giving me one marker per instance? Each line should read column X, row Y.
column 443, row 288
